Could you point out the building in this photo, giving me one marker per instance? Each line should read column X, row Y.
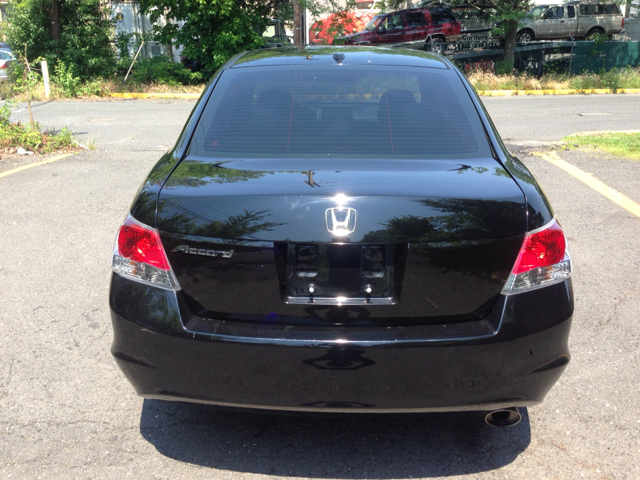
column 129, row 20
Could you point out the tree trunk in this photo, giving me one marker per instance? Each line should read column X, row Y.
column 54, row 20
column 511, row 27
column 627, row 8
column 297, row 24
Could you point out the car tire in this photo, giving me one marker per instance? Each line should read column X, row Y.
column 434, row 45
column 593, row 32
column 525, row 37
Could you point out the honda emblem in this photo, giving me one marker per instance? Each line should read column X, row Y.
column 340, row 221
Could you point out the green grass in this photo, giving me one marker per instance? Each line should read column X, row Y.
column 625, row 145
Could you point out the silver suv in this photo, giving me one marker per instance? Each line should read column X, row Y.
column 571, row 20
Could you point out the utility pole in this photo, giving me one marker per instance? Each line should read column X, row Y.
column 297, row 24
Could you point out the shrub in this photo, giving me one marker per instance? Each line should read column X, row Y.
column 504, row 67
column 64, row 79
column 159, row 69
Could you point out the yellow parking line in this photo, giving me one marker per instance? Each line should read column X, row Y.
column 43, row 162
column 154, row 95
column 565, row 91
column 485, row 93
column 587, row 178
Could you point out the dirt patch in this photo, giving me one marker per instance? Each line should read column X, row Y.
column 568, row 151
column 527, row 150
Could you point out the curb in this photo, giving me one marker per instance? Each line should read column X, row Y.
column 600, row 132
column 569, row 91
column 154, row 95
column 482, row 93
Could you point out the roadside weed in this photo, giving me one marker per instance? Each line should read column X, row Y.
column 623, row 78
column 16, row 135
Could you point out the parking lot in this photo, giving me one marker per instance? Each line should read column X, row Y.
column 66, row 411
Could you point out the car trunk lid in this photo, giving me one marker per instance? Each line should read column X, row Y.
column 250, row 240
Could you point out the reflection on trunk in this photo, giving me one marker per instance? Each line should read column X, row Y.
column 194, row 173
column 461, row 219
column 236, row 228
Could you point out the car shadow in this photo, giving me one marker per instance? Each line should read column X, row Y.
column 347, row 447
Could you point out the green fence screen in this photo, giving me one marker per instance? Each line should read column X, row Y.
column 590, row 57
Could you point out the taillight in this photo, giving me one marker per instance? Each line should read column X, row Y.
column 139, row 255
column 3, row 66
column 543, row 260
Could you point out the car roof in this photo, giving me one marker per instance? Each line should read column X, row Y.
column 331, row 54
column 428, row 8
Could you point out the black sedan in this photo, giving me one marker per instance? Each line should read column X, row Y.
column 341, row 229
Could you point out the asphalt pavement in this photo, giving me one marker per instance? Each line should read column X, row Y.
column 66, row 411
column 134, row 125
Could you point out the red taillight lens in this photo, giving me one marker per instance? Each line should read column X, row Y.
column 541, row 249
column 141, row 245
column 3, row 66
column 139, row 256
column 543, row 260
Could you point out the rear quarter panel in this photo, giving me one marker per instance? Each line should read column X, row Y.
column 611, row 24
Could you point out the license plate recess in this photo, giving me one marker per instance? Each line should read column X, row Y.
column 341, row 274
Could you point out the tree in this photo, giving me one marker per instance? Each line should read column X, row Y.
column 627, row 8
column 54, row 20
column 212, row 32
column 508, row 15
column 74, row 32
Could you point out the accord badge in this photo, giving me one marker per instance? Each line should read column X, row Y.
column 202, row 251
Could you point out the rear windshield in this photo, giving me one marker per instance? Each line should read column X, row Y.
column 364, row 5
column 442, row 15
column 599, row 9
column 340, row 110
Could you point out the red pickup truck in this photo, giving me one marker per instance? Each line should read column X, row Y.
column 433, row 25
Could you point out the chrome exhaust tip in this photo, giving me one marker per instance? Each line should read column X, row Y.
column 505, row 417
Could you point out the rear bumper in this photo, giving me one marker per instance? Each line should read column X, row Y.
column 398, row 369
